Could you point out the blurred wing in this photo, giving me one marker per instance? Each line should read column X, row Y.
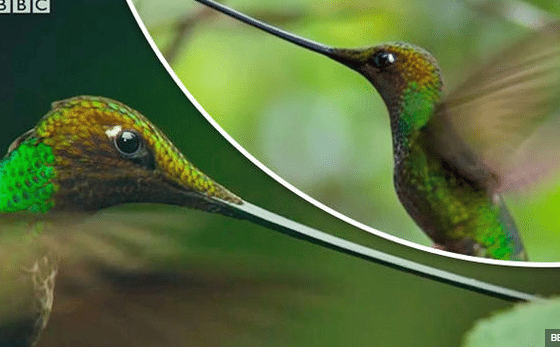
column 200, row 307
column 499, row 109
column 124, row 280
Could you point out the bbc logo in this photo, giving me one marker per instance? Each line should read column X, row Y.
column 25, row 6
column 552, row 337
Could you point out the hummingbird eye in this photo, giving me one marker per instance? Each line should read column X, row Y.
column 130, row 145
column 383, row 59
column 128, row 142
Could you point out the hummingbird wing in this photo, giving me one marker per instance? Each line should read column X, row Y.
column 125, row 279
column 492, row 127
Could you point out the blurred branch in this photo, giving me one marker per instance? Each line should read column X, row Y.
column 184, row 27
column 182, row 30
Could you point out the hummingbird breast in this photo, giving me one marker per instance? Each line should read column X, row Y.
column 458, row 214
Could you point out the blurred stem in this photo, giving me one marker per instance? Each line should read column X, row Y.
column 182, row 30
column 184, row 27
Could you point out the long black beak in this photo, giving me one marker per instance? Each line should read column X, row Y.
column 297, row 40
column 348, row 57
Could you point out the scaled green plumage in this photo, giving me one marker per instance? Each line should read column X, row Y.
column 26, row 178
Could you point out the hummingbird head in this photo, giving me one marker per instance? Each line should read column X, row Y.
column 407, row 78
column 104, row 153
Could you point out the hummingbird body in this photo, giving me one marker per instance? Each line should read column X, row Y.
column 455, row 154
column 438, row 198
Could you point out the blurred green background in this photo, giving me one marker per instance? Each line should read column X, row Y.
column 321, row 126
column 245, row 285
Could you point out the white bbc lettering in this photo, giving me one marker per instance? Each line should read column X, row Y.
column 41, row 6
column 5, row 6
column 25, row 6
column 21, row 6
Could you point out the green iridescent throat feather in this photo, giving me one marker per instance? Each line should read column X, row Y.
column 418, row 106
column 26, row 175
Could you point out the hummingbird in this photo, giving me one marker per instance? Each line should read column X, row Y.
column 89, row 153
column 455, row 154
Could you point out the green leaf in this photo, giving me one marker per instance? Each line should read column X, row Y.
column 523, row 325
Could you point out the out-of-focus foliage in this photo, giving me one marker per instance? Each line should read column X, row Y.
column 524, row 325
column 321, row 126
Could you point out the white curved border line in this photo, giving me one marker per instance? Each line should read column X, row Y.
column 305, row 196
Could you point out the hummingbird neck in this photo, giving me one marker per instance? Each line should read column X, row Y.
column 417, row 107
column 26, row 175
column 409, row 113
